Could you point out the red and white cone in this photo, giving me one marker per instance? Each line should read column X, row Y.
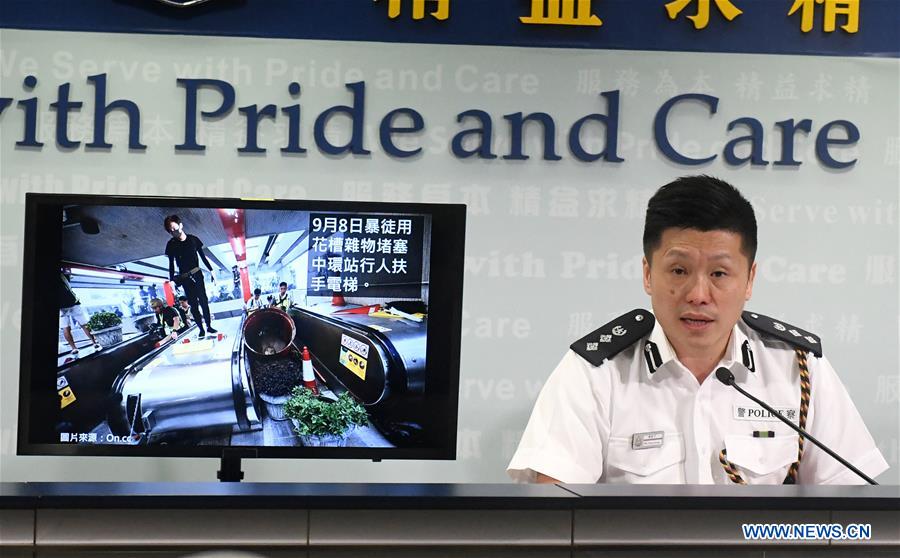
column 309, row 377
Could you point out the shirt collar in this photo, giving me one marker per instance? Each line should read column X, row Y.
column 658, row 351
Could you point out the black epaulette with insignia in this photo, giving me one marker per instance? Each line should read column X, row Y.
column 791, row 335
column 613, row 338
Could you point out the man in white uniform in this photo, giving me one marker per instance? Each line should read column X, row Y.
column 637, row 400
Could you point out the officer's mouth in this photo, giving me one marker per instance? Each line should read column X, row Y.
column 696, row 322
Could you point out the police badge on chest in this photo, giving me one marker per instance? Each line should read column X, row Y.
column 755, row 413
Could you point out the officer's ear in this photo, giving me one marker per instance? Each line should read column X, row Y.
column 645, row 268
column 752, row 276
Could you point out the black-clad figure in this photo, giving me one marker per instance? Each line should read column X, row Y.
column 187, row 250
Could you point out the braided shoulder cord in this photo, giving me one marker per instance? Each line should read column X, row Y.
column 730, row 469
column 805, row 392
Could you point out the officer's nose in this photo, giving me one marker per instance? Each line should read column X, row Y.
column 698, row 292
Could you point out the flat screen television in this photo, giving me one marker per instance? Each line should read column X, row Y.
column 315, row 314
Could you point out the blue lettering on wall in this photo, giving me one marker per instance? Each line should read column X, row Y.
column 660, row 132
column 29, row 137
column 483, row 134
column 388, row 129
column 474, row 139
column 102, row 108
column 517, row 125
column 788, row 130
column 62, row 106
column 192, row 87
column 610, row 121
column 823, row 141
column 755, row 139
column 293, row 114
column 253, row 115
column 356, row 113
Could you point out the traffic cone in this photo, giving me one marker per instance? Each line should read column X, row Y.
column 337, row 299
column 309, row 376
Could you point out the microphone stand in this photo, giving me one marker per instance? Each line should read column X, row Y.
column 726, row 377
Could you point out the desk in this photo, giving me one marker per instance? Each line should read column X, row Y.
column 272, row 520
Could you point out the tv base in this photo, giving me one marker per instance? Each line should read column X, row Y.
column 230, row 464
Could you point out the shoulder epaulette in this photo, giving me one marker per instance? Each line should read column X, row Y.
column 614, row 337
column 792, row 335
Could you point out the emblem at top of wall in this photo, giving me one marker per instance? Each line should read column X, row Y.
column 182, row 3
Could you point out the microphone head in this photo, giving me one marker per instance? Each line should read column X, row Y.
column 725, row 376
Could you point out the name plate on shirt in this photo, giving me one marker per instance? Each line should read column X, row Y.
column 647, row 440
column 750, row 412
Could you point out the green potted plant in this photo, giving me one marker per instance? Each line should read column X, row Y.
column 106, row 327
column 320, row 422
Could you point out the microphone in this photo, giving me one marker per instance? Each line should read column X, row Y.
column 725, row 376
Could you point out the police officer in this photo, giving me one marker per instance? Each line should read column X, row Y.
column 637, row 401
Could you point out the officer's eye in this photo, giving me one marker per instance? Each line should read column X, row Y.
column 679, row 271
column 719, row 274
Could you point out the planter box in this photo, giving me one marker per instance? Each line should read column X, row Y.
column 275, row 405
column 329, row 440
column 109, row 336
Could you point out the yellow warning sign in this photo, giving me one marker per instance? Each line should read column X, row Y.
column 353, row 362
column 66, row 397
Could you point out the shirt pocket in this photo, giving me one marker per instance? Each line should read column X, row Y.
column 762, row 460
column 662, row 465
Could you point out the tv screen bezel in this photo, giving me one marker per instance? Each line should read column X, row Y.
column 43, row 242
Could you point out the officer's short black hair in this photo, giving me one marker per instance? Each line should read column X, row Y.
column 257, row 291
column 182, row 298
column 282, row 284
column 703, row 203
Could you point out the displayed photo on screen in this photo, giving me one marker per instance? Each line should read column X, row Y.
column 187, row 327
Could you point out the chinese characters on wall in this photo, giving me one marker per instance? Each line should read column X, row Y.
column 581, row 12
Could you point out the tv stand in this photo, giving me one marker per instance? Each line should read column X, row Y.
column 230, row 464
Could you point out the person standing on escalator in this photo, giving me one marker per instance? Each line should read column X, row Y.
column 187, row 250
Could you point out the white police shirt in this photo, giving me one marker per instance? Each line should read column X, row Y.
column 647, row 420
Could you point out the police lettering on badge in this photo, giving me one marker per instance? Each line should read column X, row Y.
column 749, row 412
column 647, row 440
